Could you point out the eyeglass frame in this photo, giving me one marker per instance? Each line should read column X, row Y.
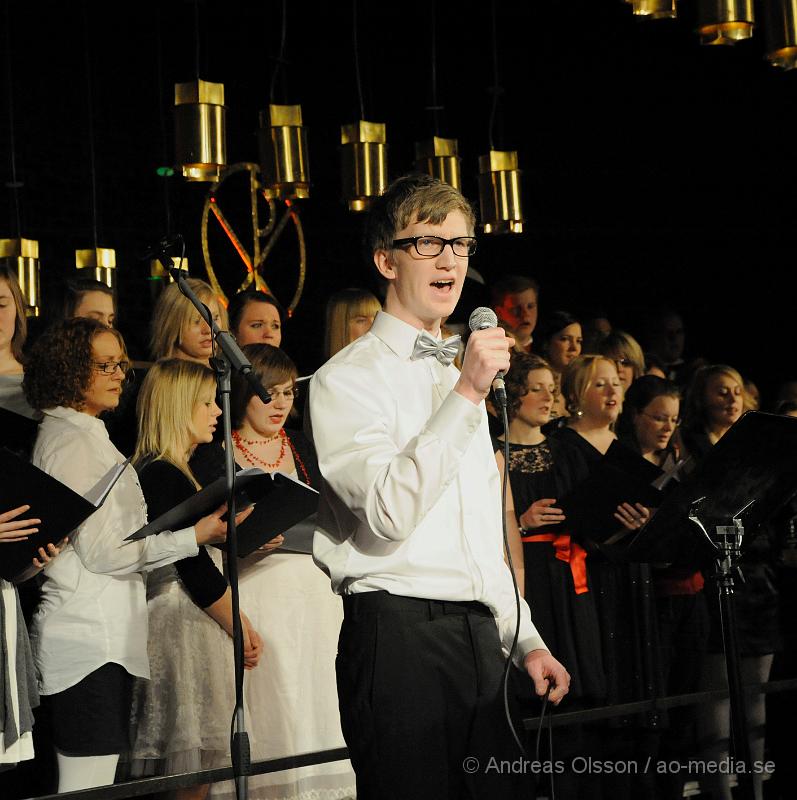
column 413, row 240
column 272, row 393
column 102, row 366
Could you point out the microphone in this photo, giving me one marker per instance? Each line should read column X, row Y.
column 481, row 319
column 163, row 247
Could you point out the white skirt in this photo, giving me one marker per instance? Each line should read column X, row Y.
column 292, row 694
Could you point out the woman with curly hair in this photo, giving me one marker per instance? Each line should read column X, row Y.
column 89, row 634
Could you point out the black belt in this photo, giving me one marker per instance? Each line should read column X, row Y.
column 371, row 602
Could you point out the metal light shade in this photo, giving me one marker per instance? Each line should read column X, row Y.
column 440, row 159
column 200, row 143
column 499, row 192
column 158, row 272
column 781, row 33
column 23, row 256
column 363, row 163
column 99, row 263
column 725, row 21
column 283, row 153
column 653, row 9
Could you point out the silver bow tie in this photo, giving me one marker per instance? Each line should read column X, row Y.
column 443, row 350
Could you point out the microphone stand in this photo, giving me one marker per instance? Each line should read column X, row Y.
column 232, row 358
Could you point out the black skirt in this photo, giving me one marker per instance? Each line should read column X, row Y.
column 92, row 717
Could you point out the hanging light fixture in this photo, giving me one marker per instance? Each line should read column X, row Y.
column 363, row 159
column 653, row 9
column 283, row 153
column 22, row 255
column 437, row 156
column 19, row 254
column 499, row 176
column 499, row 192
column 200, row 144
column 363, row 162
column 725, row 21
column 281, row 137
column 781, row 33
column 98, row 262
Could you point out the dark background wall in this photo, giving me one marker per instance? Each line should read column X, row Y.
column 654, row 169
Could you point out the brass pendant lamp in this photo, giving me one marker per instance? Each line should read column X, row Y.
column 653, row 9
column 781, row 33
column 283, row 153
column 499, row 176
column 363, row 148
column 725, row 22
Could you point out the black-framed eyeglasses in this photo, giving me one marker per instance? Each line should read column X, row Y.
column 109, row 367
column 431, row 246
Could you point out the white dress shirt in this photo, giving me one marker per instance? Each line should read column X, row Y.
column 93, row 608
column 412, row 496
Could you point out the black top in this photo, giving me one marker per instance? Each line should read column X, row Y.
column 207, row 463
column 164, row 486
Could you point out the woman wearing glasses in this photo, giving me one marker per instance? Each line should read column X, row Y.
column 650, row 418
column 626, row 353
column 89, row 634
column 287, row 598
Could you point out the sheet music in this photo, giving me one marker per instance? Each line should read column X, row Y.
column 97, row 494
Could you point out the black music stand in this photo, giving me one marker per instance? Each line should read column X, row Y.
column 745, row 478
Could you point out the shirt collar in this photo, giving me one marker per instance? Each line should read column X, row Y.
column 399, row 336
column 77, row 418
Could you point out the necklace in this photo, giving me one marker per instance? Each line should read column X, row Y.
column 256, row 460
column 238, row 438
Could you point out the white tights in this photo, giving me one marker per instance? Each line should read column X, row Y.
column 84, row 772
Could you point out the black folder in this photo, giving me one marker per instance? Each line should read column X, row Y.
column 621, row 476
column 17, row 433
column 280, row 503
column 60, row 509
column 754, row 460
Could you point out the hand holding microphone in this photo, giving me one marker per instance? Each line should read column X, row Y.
column 486, row 358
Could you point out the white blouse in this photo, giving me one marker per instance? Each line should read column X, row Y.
column 93, row 608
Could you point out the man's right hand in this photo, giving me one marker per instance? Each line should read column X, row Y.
column 486, row 354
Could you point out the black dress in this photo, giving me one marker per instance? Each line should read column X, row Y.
column 566, row 620
column 625, row 601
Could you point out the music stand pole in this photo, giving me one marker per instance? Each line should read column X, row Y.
column 727, row 543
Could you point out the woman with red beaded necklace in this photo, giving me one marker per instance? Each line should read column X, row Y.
column 293, row 698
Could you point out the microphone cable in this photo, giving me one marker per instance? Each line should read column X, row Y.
column 508, row 665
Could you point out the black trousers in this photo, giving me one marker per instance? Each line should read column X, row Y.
column 421, row 701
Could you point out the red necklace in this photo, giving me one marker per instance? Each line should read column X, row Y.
column 256, row 460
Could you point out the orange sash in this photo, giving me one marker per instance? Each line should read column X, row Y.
column 569, row 551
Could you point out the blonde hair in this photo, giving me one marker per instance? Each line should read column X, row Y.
column 578, row 377
column 342, row 307
column 695, row 412
column 173, row 312
column 21, row 325
column 619, row 344
column 165, row 409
